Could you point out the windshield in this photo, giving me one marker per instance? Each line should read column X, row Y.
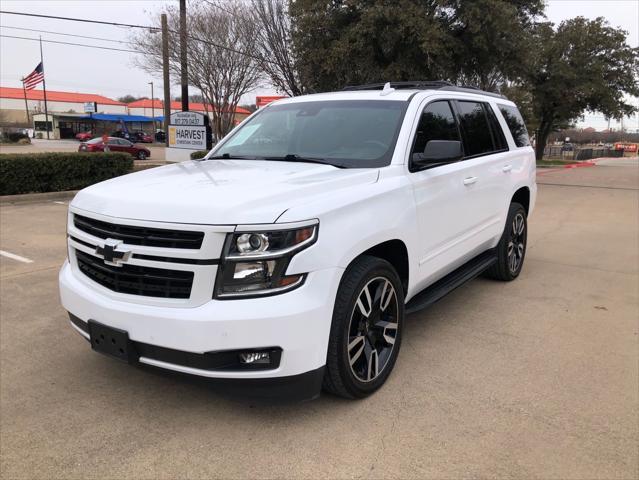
column 346, row 133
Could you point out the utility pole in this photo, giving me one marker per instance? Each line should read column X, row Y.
column 165, row 76
column 152, row 107
column 183, row 68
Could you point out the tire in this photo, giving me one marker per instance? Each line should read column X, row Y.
column 141, row 155
column 511, row 260
column 362, row 350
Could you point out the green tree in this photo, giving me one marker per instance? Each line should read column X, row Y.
column 582, row 65
column 128, row 98
column 346, row 42
column 479, row 42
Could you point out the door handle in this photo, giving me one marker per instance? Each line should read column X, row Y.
column 507, row 168
column 470, row 180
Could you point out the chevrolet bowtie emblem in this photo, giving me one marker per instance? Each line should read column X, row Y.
column 111, row 254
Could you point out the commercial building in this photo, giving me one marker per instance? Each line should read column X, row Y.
column 68, row 113
column 147, row 107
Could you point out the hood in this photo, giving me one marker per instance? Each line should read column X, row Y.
column 217, row 192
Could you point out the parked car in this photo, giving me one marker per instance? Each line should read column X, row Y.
column 160, row 136
column 290, row 256
column 121, row 134
column 84, row 136
column 141, row 137
column 115, row 145
column 567, row 147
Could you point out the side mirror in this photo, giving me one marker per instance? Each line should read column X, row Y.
column 439, row 151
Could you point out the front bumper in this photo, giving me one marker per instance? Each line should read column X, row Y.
column 298, row 322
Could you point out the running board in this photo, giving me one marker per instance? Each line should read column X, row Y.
column 450, row 282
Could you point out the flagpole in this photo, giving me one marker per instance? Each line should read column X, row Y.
column 44, row 87
column 26, row 105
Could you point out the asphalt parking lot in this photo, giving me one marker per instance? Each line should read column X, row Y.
column 538, row 378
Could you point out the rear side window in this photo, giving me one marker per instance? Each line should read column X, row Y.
column 475, row 128
column 515, row 124
column 499, row 139
column 437, row 123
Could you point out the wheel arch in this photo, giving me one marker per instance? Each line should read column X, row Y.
column 394, row 252
column 522, row 196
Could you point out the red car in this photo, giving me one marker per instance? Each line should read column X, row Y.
column 141, row 137
column 83, row 136
column 115, row 145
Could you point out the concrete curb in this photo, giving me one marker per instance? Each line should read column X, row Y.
column 36, row 197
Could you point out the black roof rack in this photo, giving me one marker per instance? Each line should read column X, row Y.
column 409, row 85
column 423, row 85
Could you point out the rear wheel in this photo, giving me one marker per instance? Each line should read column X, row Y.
column 511, row 249
column 141, row 155
column 366, row 328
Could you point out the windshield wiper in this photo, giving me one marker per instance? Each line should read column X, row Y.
column 228, row 156
column 291, row 157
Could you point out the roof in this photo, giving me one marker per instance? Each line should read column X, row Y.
column 422, row 85
column 158, row 104
column 54, row 96
column 262, row 100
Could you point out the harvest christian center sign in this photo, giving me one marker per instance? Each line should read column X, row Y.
column 190, row 130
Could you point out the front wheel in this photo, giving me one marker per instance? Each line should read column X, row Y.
column 511, row 248
column 141, row 156
column 366, row 329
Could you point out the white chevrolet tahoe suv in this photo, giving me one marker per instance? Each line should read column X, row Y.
column 288, row 257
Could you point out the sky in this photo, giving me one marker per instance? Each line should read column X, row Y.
column 114, row 74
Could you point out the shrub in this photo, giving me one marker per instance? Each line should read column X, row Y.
column 59, row 171
column 199, row 154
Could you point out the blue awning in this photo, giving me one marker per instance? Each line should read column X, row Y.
column 110, row 117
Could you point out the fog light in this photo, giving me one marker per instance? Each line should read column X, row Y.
column 255, row 357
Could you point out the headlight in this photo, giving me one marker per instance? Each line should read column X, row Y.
column 254, row 263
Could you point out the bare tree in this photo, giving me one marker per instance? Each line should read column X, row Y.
column 275, row 46
column 221, row 56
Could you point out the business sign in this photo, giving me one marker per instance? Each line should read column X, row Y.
column 187, row 118
column 189, row 130
column 187, row 136
column 264, row 100
column 626, row 147
column 90, row 107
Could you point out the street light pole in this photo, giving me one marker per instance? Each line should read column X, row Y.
column 152, row 107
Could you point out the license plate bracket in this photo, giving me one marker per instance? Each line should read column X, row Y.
column 111, row 341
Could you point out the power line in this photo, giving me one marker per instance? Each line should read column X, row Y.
column 153, row 29
column 54, row 17
column 71, row 43
column 65, row 34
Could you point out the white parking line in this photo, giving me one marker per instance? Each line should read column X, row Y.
column 60, row 203
column 15, row 257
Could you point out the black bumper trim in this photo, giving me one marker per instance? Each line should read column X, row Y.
column 305, row 386
column 225, row 360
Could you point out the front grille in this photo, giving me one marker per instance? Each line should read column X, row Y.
column 136, row 280
column 150, row 237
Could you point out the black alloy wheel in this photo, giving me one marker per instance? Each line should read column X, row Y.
column 372, row 329
column 511, row 249
column 366, row 329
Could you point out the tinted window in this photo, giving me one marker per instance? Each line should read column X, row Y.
column 515, row 124
column 349, row 133
column 95, row 140
column 499, row 138
column 113, row 141
column 124, row 142
column 437, row 123
column 475, row 128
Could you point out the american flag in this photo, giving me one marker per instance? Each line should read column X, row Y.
column 35, row 77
